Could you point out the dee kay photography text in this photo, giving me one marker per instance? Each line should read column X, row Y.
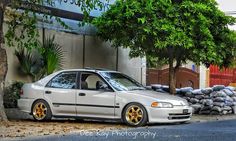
column 124, row 133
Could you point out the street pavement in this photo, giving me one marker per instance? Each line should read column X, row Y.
column 206, row 131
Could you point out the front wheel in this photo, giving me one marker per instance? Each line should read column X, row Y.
column 41, row 111
column 135, row 115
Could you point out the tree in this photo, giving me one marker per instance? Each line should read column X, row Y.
column 26, row 21
column 3, row 61
column 170, row 30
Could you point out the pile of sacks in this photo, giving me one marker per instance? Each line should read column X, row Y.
column 216, row 100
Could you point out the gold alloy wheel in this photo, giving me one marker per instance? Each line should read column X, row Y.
column 40, row 111
column 134, row 115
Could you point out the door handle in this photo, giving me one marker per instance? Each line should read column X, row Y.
column 82, row 94
column 48, row 92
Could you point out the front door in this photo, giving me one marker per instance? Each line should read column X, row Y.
column 91, row 100
column 61, row 91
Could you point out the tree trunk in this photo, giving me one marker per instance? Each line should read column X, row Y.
column 3, row 71
column 3, row 63
column 172, row 76
column 3, row 116
column 172, row 72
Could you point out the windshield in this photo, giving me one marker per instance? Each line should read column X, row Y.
column 121, row 82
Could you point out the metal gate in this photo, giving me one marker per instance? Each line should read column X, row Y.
column 222, row 77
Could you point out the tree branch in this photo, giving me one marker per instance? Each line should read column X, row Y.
column 2, row 8
column 178, row 64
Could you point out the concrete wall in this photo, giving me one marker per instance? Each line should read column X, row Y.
column 189, row 65
column 138, row 65
column 96, row 54
column 184, row 77
column 99, row 54
column 203, row 81
column 72, row 46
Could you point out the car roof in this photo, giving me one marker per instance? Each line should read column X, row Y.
column 45, row 80
column 90, row 70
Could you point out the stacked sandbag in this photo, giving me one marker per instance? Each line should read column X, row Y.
column 216, row 100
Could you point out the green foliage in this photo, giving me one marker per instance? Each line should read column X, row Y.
column 52, row 55
column 29, row 63
column 170, row 30
column 22, row 25
column 22, row 30
column 11, row 94
column 155, row 62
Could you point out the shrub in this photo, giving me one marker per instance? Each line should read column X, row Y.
column 11, row 94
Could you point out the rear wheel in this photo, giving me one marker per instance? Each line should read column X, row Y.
column 135, row 115
column 41, row 111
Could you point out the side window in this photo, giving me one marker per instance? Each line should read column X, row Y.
column 90, row 81
column 65, row 80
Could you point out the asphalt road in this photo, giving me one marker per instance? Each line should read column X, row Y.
column 207, row 131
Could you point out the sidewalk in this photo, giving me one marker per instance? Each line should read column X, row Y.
column 205, row 118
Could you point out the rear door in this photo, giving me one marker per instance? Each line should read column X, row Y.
column 61, row 91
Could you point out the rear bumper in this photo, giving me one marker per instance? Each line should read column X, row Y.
column 25, row 104
column 169, row 115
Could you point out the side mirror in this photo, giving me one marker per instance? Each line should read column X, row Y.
column 102, row 86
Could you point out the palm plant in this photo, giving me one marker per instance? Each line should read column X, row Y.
column 52, row 55
column 29, row 63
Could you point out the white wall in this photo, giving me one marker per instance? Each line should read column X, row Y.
column 227, row 5
column 203, row 77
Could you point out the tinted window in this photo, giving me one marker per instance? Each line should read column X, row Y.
column 65, row 80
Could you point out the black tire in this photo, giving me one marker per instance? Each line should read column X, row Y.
column 127, row 116
column 41, row 111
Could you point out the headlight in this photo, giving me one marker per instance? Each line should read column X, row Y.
column 161, row 105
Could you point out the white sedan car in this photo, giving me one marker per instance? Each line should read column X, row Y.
column 100, row 94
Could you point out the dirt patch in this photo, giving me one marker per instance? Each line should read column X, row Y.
column 28, row 128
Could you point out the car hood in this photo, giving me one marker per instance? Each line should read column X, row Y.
column 161, row 97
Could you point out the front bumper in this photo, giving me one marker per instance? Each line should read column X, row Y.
column 169, row 115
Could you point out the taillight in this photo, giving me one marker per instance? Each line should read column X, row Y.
column 21, row 92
